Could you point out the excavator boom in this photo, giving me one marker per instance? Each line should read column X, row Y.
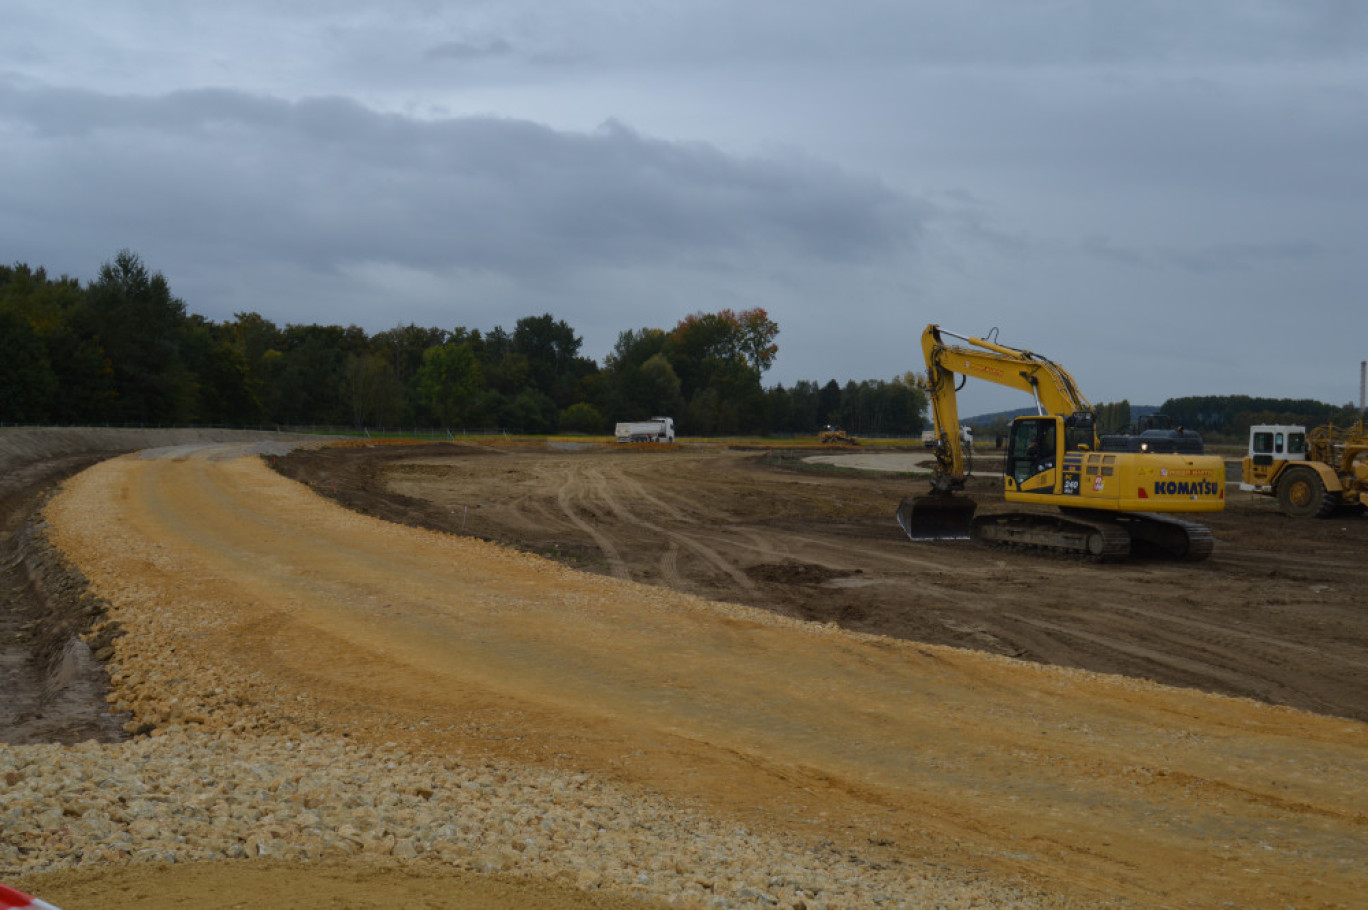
column 948, row 365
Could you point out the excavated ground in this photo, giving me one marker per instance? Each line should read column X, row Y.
column 1276, row 614
column 604, row 742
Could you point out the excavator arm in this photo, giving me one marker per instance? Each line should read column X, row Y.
column 947, row 365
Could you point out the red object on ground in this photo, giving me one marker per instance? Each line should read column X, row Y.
column 18, row 899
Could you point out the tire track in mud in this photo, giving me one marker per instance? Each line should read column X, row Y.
column 669, row 567
column 1213, row 656
column 572, row 490
column 1274, row 615
column 603, row 485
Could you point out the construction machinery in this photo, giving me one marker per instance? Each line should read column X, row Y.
column 1312, row 474
column 1155, row 433
column 1110, row 499
column 832, row 435
column 657, row 429
column 931, row 438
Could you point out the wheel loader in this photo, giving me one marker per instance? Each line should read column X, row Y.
column 831, row 435
column 1312, row 474
column 1110, row 496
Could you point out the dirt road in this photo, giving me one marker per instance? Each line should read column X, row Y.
column 245, row 594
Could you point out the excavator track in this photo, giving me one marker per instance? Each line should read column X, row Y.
column 1164, row 535
column 1104, row 538
column 1099, row 539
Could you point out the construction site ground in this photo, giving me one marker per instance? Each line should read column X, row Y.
column 1279, row 613
column 746, row 634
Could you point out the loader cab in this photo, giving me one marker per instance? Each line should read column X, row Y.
column 1269, row 443
column 1271, row 447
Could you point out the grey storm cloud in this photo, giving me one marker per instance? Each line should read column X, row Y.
column 468, row 50
column 329, row 179
column 1079, row 173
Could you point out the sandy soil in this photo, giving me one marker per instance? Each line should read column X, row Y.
column 1091, row 788
column 1276, row 614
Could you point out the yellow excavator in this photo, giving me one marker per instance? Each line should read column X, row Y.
column 1113, row 495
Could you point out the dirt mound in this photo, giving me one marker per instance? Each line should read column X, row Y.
column 50, row 647
column 768, row 760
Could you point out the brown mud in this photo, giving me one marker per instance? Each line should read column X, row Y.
column 54, row 684
column 53, row 642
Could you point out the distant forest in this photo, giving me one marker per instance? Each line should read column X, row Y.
column 124, row 350
column 1217, row 417
column 1232, row 415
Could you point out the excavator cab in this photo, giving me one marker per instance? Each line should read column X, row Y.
column 1036, row 449
column 1032, row 453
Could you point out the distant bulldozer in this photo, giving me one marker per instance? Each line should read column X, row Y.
column 836, row 436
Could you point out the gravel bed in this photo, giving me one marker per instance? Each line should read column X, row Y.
column 184, row 795
column 217, row 771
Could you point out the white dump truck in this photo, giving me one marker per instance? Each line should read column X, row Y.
column 657, row 429
column 966, row 437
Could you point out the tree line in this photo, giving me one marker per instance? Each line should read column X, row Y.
column 1232, row 415
column 123, row 349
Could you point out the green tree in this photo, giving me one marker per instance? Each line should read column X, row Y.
column 699, row 345
column 551, row 347
column 1113, row 417
column 373, row 391
column 306, row 373
column 534, row 412
column 449, row 381
column 657, row 389
column 28, row 384
column 829, row 403
column 622, row 394
column 719, row 359
column 140, row 325
column 223, row 389
column 403, row 348
column 756, row 333
column 582, row 418
column 806, row 411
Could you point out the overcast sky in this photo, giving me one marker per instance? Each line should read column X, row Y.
column 1167, row 197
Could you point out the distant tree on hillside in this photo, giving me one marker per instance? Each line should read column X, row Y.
column 1232, row 415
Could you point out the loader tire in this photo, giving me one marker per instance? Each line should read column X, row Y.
column 1302, row 494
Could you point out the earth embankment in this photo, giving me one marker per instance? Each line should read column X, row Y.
column 253, row 608
column 50, row 670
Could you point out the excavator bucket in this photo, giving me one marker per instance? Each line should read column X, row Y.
column 937, row 516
